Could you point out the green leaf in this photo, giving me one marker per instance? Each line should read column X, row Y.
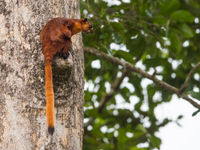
column 195, row 94
column 126, row 55
column 169, row 5
column 182, row 16
column 175, row 40
column 141, row 128
column 180, row 117
column 195, row 113
column 155, row 141
column 136, row 148
column 186, row 31
column 117, row 26
column 159, row 19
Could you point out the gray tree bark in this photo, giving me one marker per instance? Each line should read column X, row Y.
column 22, row 96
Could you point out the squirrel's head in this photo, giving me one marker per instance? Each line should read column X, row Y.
column 86, row 25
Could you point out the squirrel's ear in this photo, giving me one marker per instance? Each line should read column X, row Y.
column 85, row 20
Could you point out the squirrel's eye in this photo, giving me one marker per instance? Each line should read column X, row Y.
column 69, row 27
column 85, row 20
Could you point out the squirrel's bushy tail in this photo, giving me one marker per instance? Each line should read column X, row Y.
column 49, row 96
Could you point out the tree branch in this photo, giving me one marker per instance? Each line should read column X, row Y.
column 114, row 87
column 131, row 67
column 186, row 82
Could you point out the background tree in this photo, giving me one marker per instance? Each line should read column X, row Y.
column 22, row 97
column 143, row 52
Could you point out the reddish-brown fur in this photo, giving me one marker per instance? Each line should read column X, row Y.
column 56, row 38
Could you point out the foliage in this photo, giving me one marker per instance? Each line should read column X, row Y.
column 159, row 36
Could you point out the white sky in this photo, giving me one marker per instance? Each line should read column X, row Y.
column 175, row 137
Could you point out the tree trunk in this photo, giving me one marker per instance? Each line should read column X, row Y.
column 22, row 96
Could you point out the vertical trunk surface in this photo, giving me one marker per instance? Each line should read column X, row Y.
column 22, row 96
